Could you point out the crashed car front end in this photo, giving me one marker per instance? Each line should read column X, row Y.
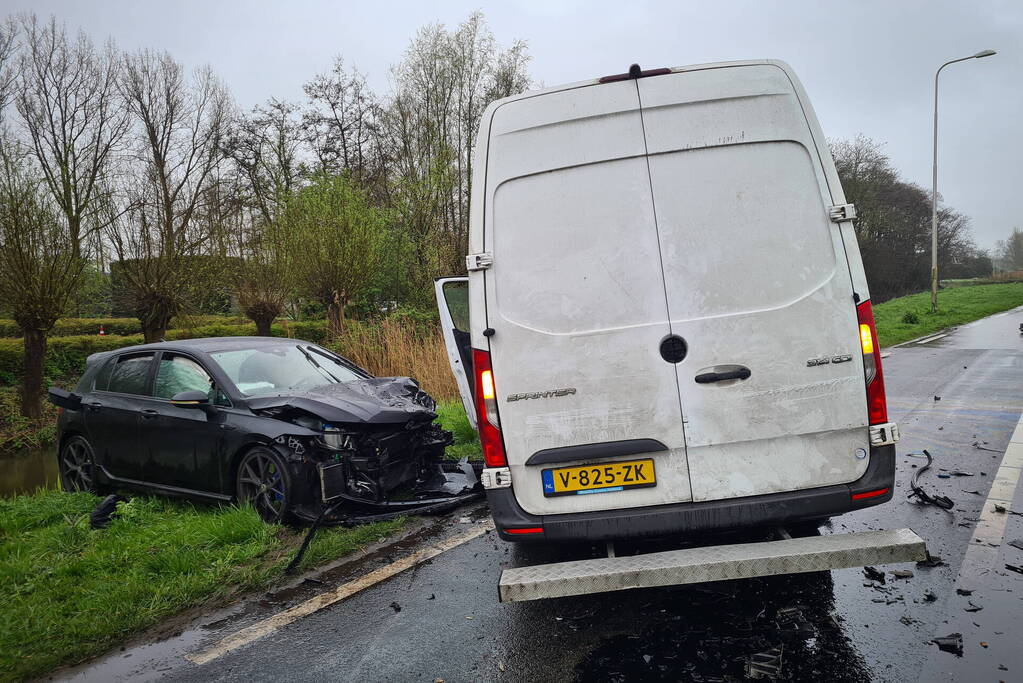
column 365, row 448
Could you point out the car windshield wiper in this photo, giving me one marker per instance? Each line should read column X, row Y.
column 319, row 367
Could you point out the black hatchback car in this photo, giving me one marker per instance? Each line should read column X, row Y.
column 283, row 423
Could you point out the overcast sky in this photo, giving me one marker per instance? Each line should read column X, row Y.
column 868, row 66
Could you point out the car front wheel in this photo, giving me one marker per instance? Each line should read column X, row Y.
column 262, row 480
column 77, row 466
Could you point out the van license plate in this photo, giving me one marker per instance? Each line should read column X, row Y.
column 614, row 476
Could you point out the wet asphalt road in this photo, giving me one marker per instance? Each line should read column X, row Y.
column 441, row 620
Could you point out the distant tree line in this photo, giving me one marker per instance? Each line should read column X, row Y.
column 126, row 178
column 893, row 225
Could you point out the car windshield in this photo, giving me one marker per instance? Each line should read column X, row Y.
column 277, row 368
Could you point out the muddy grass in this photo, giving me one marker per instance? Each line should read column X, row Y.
column 72, row 592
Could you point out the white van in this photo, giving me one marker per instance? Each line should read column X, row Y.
column 666, row 327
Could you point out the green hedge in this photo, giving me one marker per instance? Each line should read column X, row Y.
column 70, row 327
column 65, row 356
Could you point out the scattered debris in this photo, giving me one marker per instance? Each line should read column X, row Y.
column 1002, row 667
column 942, row 475
column 1017, row 543
column 953, row 643
column 432, row 597
column 929, row 596
column 944, row 502
column 873, row 574
column 500, row 666
column 976, row 444
column 931, row 562
column 901, row 573
column 765, row 664
column 964, row 591
column 975, row 493
column 1014, row 568
column 972, row 607
column 961, row 473
column 983, row 644
column 396, row 607
column 937, row 398
column 1004, row 510
column 105, row 512
column 907, row 620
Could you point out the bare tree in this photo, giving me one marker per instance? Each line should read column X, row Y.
column 8, row 34
column 341, row 123
column 40, row 264
column 179, row 123
column 264, row 146
column 442, row 86
column 69, row 105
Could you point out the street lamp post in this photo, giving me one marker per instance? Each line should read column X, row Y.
column 934, row 183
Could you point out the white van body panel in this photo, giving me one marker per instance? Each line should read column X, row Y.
column 697, row 204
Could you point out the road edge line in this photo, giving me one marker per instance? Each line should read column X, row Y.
column 266, row 626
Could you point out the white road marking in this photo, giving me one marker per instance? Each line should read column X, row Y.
column 345, row 590
column 982, row 553
column 927, row 340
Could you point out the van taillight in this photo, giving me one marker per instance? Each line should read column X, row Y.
column 486, row 411
column 877, row 404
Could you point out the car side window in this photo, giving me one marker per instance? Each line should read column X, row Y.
column 103, row 376
column 181, row 373
column 130, row 374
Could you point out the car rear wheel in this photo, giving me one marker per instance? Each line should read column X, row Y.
column 77, row 466
column 262, row 480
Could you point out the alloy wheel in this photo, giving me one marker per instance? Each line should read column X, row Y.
column 262, row 482
column 77, row 466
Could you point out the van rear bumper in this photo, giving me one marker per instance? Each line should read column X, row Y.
column 695, row 518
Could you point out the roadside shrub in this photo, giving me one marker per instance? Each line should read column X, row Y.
column 911, row 318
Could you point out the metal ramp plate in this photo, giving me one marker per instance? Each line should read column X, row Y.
column 714, row 563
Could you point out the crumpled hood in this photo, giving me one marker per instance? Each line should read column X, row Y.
column 379, row 400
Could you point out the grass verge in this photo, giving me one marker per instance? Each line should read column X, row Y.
column 451, row 416
column 72, row 592
column 908, row 317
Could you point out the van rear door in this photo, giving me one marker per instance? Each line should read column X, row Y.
column 757, row 284
column 575, row 296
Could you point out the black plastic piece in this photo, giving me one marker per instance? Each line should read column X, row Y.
column 766, row 510
column 607, row 449
column 709, row 377
column 64, row 399
column 674, row 349
column 489, row 332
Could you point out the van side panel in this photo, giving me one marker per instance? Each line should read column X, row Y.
column 575, row 293
column 756, row 277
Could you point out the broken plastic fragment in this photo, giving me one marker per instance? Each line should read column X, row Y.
column 765, row 664
column 873, row 574
column 953, row 643
column 901, row 573
column 1014, row 568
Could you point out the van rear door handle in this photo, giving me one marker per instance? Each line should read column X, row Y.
column 708, row 377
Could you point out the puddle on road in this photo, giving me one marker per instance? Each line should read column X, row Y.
column 24, row 471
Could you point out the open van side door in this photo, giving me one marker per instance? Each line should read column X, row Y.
column 453, row 305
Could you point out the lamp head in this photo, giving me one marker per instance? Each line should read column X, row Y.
column 985, row 53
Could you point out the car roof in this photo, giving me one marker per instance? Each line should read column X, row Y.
column 202, row 345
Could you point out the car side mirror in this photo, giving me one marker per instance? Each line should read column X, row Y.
column 64, row 399
column 191, row 399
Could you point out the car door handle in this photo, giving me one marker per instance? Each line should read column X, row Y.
column 708, row 377
column 149, row 413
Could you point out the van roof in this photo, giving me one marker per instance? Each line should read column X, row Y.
column 674, row 69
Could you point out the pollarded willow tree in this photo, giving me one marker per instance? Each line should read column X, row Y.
column 333, row 238
column 40, row 263
column 172, row 207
